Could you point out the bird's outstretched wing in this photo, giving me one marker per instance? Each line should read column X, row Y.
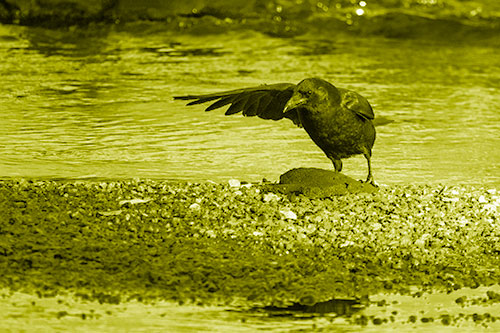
column 356, row 103
column 265, row 101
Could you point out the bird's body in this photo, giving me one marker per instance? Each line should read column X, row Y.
column 338, row 120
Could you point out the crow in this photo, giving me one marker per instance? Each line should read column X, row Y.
column 339, row 121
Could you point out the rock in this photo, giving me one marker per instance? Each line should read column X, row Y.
column 54, row 12
column 134, row 201
column 234, row 183
column 270, row 197
column 69, row 12
column 288, row 214
column 195, row 206
column 314, row 182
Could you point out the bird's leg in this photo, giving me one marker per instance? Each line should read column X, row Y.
column 369, row 179
column 337, row 164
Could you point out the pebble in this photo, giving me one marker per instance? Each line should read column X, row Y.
column 195, row 206
column 133, row 201
column 415, row 239
column 288, row 214
column 234, row 183
column 270, row 197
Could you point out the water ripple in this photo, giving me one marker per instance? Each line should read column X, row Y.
column 101, row 105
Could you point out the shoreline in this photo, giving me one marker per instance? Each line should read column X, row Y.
column 92, row 250
column 215, row 242
column 414, row 21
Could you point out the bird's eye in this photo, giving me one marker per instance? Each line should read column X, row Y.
column 307, row 93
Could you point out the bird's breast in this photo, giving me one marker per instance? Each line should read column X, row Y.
column 338, row 131
column 328, row 123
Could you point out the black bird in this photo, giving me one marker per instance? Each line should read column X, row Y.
column 338, row 120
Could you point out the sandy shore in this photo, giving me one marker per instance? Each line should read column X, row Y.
column 226, row 243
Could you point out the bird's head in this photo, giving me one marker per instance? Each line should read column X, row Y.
column 312, row 93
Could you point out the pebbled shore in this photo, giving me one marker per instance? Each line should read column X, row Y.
column 210, row 243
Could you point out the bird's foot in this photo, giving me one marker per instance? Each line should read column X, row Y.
column 370, row 181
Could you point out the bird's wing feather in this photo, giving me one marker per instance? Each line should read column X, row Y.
column 218, row 104
column 252, row 107
column 356, row 103
column 266, row 101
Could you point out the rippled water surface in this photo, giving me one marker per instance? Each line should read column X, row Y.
column 434, row 312
column 83, row 103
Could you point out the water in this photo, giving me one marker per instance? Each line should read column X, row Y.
column 98, row 103
column 435, row 312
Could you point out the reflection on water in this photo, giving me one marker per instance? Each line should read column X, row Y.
column 465, row 310
column 99, row 104
column 339, row 307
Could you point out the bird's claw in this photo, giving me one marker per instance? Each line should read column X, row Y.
column 370, row 181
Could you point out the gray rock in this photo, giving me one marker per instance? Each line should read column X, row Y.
column 319, row 183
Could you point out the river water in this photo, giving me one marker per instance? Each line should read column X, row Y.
column 79, row 103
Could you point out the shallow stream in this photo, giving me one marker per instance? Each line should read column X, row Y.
column 98, row 103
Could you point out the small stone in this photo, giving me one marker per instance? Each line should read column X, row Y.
column 310, row 228
column 133, row 201
column 347, row 243
column 420, row 242
column 20, row 203
column 234, row 183
column 492, row 208
column 110, row 212
column 195, row 206
column 210, row 234
column 288, row 214
column 270, row 197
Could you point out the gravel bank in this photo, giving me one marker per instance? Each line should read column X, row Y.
column 242, row 244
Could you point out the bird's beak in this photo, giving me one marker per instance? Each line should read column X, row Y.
column 294, row 102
